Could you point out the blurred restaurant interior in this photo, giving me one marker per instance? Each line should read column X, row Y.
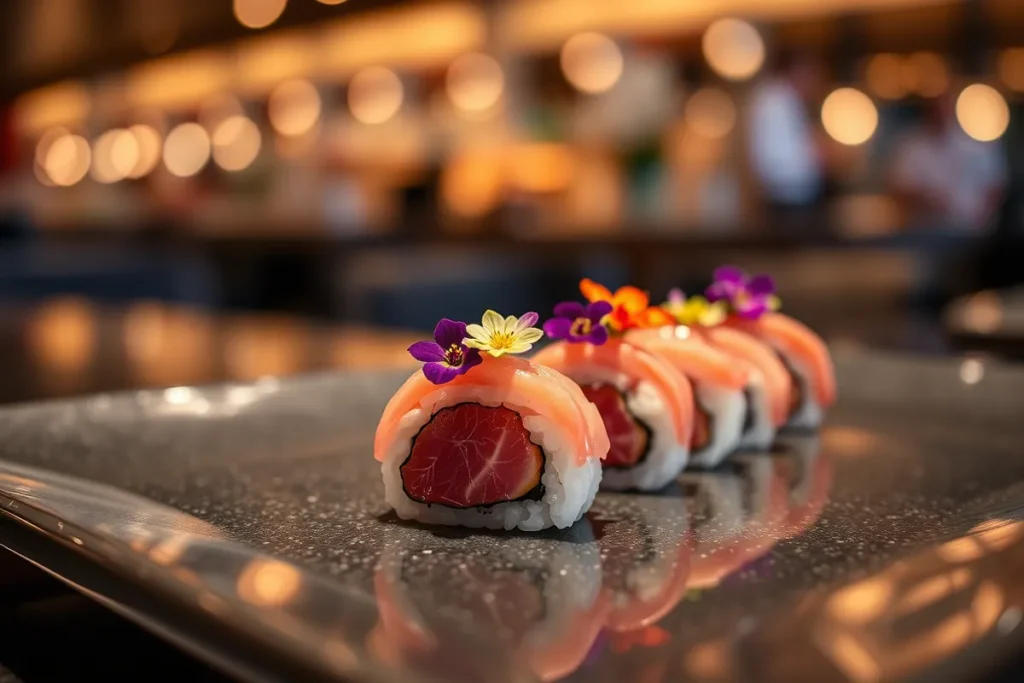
column 195, row 190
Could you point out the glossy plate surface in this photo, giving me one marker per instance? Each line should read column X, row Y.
column 247, row 523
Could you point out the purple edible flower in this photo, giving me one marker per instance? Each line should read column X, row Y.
column 446, row 357
column 577, row 323
column 749, row 297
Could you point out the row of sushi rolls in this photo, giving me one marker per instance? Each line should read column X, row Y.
column 624, row 396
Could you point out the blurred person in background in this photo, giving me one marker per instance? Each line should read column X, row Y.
column 944, row 178
column 785, row 155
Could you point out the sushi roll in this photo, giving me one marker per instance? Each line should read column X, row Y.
column 768, row 385
column 753, row 305
column 481, row 438
column 540, row 598
column 646, row 405
column 719, row 382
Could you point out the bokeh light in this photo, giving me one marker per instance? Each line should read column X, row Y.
column 591, row 62
column 849, row 116
column 926, row 73
column 236, row 143
column 1011, row 68
column 475, row 82
column 186, row 150
column 149, row 148
column 734, row 49
column 982, row 112
column 294, row 107
column 710, row 112
column 46, row 140
column 216, row 109
column 114, row 155
column 67, row 160
column 375, row 95
column 258, row 13
column 884, row 76
column 330, row 2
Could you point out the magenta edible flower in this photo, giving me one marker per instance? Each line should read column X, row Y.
column 748, row 297
column 446, row 357
column 577, row 323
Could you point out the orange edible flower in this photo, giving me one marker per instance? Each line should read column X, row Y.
column 630, row 306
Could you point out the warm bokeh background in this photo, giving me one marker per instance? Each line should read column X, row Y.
column 195, row 190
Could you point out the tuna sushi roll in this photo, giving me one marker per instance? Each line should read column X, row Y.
column 719, row 382
column 752, row 303
column 769, row 384
column 646, row 405
column 480, row 438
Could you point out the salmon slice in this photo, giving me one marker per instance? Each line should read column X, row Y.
column 685, row 350
column 531, row 389
column 618, row 356
column 629, row 437
column 795, row 340
column 749, row 349
column 470, row 455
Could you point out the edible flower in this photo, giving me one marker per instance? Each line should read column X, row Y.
column 748, row 297
column 498, row 336
column 630, row 307
column 695, row 310
column 447, row 356
column 577, row 323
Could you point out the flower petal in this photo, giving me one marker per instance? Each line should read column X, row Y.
column 493, row 322
column 719, row 291
column 714, row 314
column 598, row 335
column 753, row 310
column 598, row 310
column 470, row 359
column 498, row 353
column 477, row 332
column 508, row 325
column 471, row 343
column 618, row 319
column 676, row 296
column 730, row 274
column 440, row 373
column 593, row 291
column 570, row 309
column 529, row 335
column 426, row 352
column 774, row 303
column 654, row 317
column 631, row 298
column 519, row 347
column 558, row 328
column 526, row 320
column 449, row 332
column 761, row 285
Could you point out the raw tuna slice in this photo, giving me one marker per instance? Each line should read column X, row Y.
column 629, row 436
column 470, row 455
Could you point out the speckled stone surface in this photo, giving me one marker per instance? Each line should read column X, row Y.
column 658, row 587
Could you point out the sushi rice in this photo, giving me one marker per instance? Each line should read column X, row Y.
column 728, row 408
column 665, row 457
column 762, row 430
column 569, row 488
column 809, row 414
